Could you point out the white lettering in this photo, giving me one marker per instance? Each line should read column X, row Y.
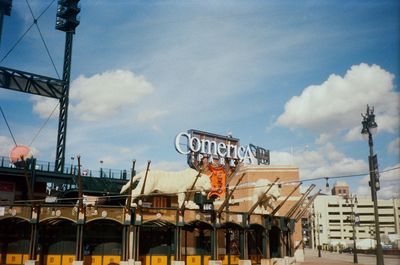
column 177, row 146
column 235, row 152
column 193, row 146
column 208, row 147
column 241, row 152
column 211, row 149
column 248, row 156
column 221, row 149
column 199, row 157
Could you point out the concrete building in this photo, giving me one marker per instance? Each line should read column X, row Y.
column 333, row 215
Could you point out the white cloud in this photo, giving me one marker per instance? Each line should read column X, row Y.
column 323, row 138
column 169, row 165
column 6, row 145
column 394, row 147
column 326, row 161
column 389, row 182
column 336, row 104
column 45, row 107
column 363, row 191
column 107, row 94
column 150, row 115
column 391, row 174
column 353, row 134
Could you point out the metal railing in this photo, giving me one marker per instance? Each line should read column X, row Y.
column 71, row 169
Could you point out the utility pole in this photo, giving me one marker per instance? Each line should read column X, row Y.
column 369, row 128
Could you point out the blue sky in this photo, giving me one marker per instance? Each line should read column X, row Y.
column 290, row 76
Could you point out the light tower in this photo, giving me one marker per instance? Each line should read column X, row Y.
column 67, row 21
column 5, row 9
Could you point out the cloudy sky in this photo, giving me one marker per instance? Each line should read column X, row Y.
column 293, row 77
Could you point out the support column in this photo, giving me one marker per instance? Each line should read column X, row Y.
column 33, row 242
column 125, row 243
column 34, row 236
column 289, row 244
column 266, row 251
column 178, row 243
column 214, row 243
column 244, row 240
column 79, row 244
column 283, row 244
column 244, row 251
column 266, row 237
column 136, row 232
column 135, row 241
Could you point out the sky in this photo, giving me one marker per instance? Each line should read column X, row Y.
column 290, row 76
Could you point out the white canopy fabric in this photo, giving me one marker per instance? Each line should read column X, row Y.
column 366, row 243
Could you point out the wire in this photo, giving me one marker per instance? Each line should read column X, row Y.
column 18, row 41
column 175, row 193
column 44, row 124
column 35, row 21
column 9, row 129
column 23, row 35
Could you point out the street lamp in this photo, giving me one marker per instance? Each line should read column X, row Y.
column 72, row 165
column 369, row 128
column 101, row 168
column 353, row 201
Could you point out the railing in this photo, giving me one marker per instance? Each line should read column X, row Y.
column 71, row 169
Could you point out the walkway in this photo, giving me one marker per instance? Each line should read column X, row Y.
column 334, row 258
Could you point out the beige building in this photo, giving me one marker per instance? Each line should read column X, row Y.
column 249, row 189
column 333, row 215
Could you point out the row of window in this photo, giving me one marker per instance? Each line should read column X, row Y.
column 361, row 214
column 361, row 206
column 361, row 222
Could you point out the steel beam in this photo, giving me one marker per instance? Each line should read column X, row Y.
column 64, row 101
column 261, row 199
column 31, row 83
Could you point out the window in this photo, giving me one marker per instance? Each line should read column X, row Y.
column 160, row 202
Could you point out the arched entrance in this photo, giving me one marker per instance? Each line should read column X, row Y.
column 275, row 242
column 197, row 242
column 230, row 243
column 14, row 240
column 102, row 242
column 57, row 241
column 157, row 242
column 256, row 243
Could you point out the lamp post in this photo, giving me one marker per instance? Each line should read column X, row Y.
column 353, row 202
column 101, row 168
column 72, row 165
column 318, row 216
column 369, row 128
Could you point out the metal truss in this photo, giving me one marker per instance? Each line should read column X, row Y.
column 31, row 83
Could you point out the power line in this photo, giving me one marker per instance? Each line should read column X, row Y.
column 8, row 126
column 44, row 124
column 35, row 21
column 239, row 188
column 23, row 35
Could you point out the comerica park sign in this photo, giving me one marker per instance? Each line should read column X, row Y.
column 200, row 145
